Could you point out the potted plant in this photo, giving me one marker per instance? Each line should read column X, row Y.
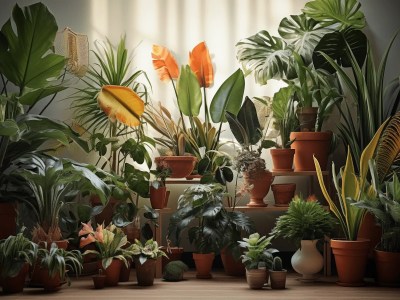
column 257, row 258
column 54, row 265
column 387, row 252
column 305, row 223
column 29, row 69
column 158, row 190
column 110, row 242
column 247, row 131
column 46, row 184
column 146, row 256
column 99, row 280
column 16, row 254
column 277, row 274
column 201, row 204
column 351, row 252
column 190, row 134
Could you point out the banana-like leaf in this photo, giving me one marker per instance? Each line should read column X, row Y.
column 164, row 63
column 26, row 60
column 265, row 55
column 200, row 63
column 336, row 14
column 389, row 147
column 228, row 97
column 247, row 117
column 189, row 93
column 237, row 129
column 122, row 104
column 303, row 33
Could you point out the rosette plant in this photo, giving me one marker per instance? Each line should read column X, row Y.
column 202, row 137
column 110, row 242
column 148, row 250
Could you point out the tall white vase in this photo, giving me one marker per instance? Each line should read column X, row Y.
column 307, row 260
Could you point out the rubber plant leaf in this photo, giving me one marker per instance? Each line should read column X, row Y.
column 27, row 61
column 189, row 93
column 164, row 63
column 200, row 63
column 247, row 117
column 228, row 97
column 121, row 103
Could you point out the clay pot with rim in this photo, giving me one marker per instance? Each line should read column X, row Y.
column 351, row 260
column 112, row 272
column 307, row 118
column 278, row 279
column 159, row 197
column 309, row 144
column 256, row 278
column 283, row 193
column 145, row 272
column 125, row 272
column 387, row 268
column 282, row 159
column 232, row 266
column 180, row 166
column 260, row 182
column 203, row 262
column 99, row 280
column 15, row 284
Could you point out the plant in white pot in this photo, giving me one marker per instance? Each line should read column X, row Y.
column 257, row 258
column 306, row 222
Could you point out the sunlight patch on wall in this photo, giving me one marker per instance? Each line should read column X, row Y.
column 100, row 20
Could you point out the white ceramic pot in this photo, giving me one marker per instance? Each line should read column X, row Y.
column 307, row 260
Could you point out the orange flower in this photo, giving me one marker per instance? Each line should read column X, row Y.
column 86, row 240
column 164, row 63
column 312, row 198
column 99, row 234
column 200, row 63
column 86, row 229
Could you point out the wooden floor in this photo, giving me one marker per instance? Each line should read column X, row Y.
column 220, row 287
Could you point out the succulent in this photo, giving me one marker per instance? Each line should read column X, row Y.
column 174, row 270
column 277, row 264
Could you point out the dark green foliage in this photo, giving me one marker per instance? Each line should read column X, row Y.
column 277, row 264
column 174, row 270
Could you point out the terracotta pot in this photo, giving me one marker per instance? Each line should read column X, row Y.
column 145, row 272
column 307, row 260
column 99, row 281
column 181, row 166
column 307, row 118
column 261, row 183
column 63, row 244
column 387, row 268
column 203, row 264
column 370, row 230
column 112, row 272
column 15, row 284
column 50, row 284
column 125, row 272
column 175, row 254
column 282, row 159
column 278, row 279
column 306, row 145
column 351, row 260
column 256, row 278
column 8, row 215
column 158, row 197
column 283, row 193
column 232, row 267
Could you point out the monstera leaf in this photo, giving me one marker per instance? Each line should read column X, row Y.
column 336, row 14
column 26, row 59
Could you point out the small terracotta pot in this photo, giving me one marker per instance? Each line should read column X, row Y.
column 181, row 166
column 232, row 267
column 387, row 268
column 278, row 279
column 351, row 260
column 112, row 272
column 283, row 193
column 256, row 278
column 307, row 118
column 261, row 183
column 203, row 262
column 158, row 197
column 145, row 272
column 175, row 254
column 282, row 159
column 99, row 281
column 125, row 272
column 51, row 284
column 15, row 284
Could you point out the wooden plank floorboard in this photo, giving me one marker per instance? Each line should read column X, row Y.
column 220, row 287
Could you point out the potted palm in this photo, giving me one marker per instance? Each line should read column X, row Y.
column 54, row 264
column 16, row 254
column 351, row 253
column 247, row 131
column 112, row 249
column 257, row 258
column 202, row 204
column 146, row 256
column 306, row 223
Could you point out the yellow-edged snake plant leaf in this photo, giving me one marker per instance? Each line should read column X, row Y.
column 164, row 63
column 121, row 103
column 200, row 63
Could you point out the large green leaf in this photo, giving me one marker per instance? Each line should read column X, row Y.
column 228, row 97
column 189, row 93
column 27, row 61
column 264, row 54
column 280, row 102
column 30, row 97
column 303, row 33
column 336, row 14
column 247, row 117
